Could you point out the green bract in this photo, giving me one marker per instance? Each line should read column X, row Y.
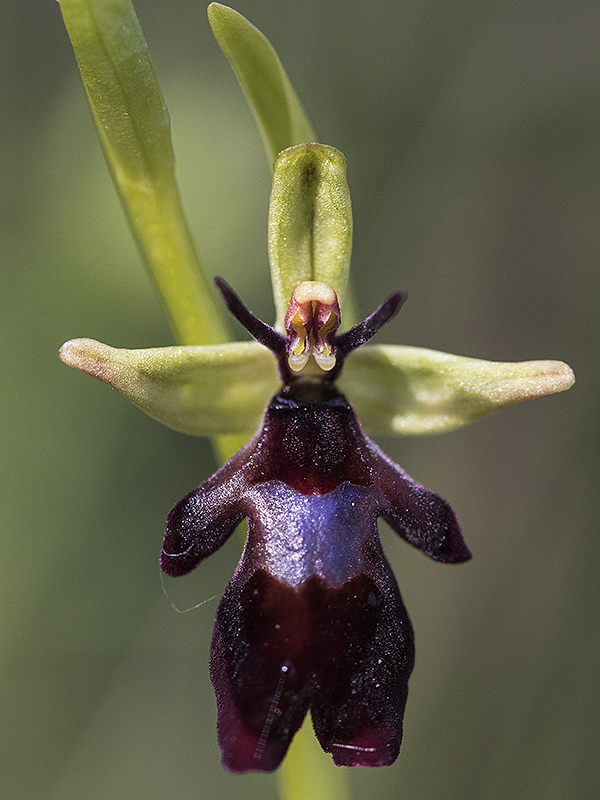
column 134, row 129
column 279, row 115
column 209, row 389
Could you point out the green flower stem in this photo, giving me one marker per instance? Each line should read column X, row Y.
column 308, row 774
column 171, row 257
column 134, row 128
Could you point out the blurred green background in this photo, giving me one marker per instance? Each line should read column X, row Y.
column 472, row 132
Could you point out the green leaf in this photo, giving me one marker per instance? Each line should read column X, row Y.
column 310, row 222
column 278, row 112
column 411, row 390
column 133, row 124
column 203, row 391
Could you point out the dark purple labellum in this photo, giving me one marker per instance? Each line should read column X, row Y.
column 312, row 619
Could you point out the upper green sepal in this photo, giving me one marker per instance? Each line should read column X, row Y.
column 203, row 391
column 310, row 222
column 281, row 120
column 412, row 390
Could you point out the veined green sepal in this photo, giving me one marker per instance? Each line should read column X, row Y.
column 202, row 391
column 310, row 222
column 412, row 390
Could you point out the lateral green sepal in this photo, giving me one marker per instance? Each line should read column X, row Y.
column 412, row 390
column 203, row 391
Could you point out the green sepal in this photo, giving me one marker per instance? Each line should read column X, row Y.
column 202, row 391
column 411, row 390
column 310, row 222
column 281, row 120
column 133, row 124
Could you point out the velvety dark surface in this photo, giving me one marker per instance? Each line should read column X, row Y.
column 346, row 653
column 312, row 618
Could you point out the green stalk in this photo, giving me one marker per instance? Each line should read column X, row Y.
column 308, row 774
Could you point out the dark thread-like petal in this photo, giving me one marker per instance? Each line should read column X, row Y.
column 259, row 330
column 365, row 330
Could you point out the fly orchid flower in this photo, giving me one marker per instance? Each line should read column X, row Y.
column 313, row 618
